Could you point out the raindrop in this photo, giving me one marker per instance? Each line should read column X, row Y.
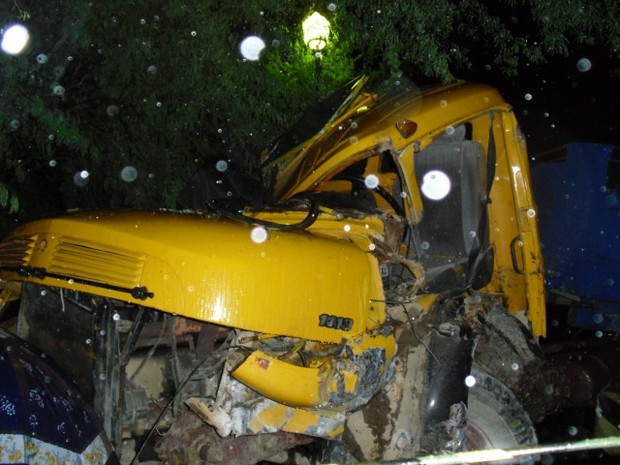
column 598, row 334
column 15, row 39
column 531, row 213
column 584, row 65
column 251, row 47
column 221, row 166
column 151, row 69
column 111, row 110
column 436, row 185
column 51, row 137
column 371, row 181
column 193, row 33
column 610, row 282
column 332, row 7
column 41, row 58
column 158, row 104
column 43, row 292
column 129, row 173
column 88, row 341
column 347, row 228
column 275, row 43
column 353, row 125
column 549, row 389
column 80, row 178
column 450, row 130
column 142, row 21
column 15, row 124
column 515, row 366
column 403, row 195
column 470, row 381
column 52, row 163
column 372, row 246
column 59, row 71
column 572, row 430
column 528, row 97
column 259, row 235
column 353, row 140
column 102, row 376
column 597, row 318
column 487, row 67
column 425, row 245
column 58, row 90
column 116, row 317
column 443, row 103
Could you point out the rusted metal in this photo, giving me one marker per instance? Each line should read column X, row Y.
column 190, row 440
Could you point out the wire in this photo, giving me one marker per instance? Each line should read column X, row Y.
column 311, row 217
column 416, row 334
column 169, row 404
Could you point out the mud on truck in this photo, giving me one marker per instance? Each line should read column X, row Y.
column 386, row 304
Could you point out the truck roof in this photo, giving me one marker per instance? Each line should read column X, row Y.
column 371, row 121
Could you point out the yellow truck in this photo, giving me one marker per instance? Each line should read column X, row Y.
column 387, row 303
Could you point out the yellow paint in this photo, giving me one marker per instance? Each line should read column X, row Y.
column 294, row 420
column 212, row 271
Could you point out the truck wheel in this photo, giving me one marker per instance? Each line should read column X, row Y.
column 496, row 419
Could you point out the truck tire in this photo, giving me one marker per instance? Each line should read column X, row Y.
column 496, row 419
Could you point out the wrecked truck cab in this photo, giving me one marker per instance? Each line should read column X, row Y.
column 400, row 257
column 450, row 158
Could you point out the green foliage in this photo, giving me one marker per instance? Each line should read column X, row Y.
column 8, row 200
column 160, row 86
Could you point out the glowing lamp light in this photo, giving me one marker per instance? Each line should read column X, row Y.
column 316, row 31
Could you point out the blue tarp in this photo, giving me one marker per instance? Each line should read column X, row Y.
column 579, row 219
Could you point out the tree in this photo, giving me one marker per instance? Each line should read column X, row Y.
column 116, row 103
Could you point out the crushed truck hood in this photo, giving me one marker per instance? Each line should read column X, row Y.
column 207, row 269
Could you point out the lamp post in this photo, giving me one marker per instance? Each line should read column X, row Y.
column 316, row 34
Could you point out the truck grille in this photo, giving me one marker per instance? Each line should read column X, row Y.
column 86, row 261
column 16, row 252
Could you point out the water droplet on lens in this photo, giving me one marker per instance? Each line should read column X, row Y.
column 111, row 110
column 129, row 173
column 584, row 65
column 259, row 234
column 221, row 166
column 528, row 97
column 58, row 90
column 151, row 69
column 371, row 181
column 41, row 58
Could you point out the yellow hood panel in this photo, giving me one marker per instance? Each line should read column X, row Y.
column 293, row 283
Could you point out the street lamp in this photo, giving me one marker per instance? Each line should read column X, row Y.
column 316, row 33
